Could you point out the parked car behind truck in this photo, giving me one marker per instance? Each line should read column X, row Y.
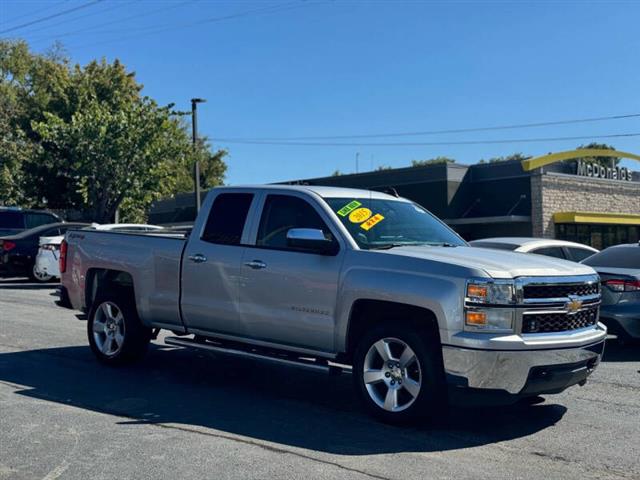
column 619, row 270
column 18, row 252
column 14, row 220
column 319, row 277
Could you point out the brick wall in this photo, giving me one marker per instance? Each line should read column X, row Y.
column 551, row 193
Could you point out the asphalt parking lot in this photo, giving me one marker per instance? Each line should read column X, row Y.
column 182, row 414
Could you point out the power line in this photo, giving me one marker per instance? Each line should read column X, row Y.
column 40, row 10
column 49, row 17
column 423, row 144
column 111, row 6
column 100, row 25
column 440, row 132
column 169, row 27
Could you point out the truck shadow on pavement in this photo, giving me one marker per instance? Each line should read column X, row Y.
column 26, row 284
column 228, row 397
column 616, row 352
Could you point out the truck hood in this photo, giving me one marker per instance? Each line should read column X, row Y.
column 496, row 263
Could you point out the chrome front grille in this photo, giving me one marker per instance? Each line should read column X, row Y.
column 558, row 304
column 560, row 291
column 559, row 322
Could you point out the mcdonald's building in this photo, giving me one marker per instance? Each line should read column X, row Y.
column 553, row 196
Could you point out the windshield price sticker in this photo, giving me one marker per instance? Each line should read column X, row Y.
column 373, row 221
column 359, row 215
column 348, row 208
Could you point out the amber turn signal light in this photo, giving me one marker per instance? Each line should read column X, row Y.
column 476, row 318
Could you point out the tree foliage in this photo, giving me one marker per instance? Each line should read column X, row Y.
column 85, row 138
column 508, row 158
column 603, row 161
column 432, row 161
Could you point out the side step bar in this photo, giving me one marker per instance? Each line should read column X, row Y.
column 321, row 365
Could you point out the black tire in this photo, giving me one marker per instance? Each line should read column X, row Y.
column 430, row 403
column 135, row 336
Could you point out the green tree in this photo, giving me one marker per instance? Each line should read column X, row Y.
column 85, row 138
column 604, row 161
column 432, row 161
column 508, row 158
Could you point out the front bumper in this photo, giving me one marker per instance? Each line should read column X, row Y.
column 520, row 372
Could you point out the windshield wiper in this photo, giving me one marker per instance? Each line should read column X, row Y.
column 387, row 246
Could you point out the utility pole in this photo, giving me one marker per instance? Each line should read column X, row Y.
column 194, row 132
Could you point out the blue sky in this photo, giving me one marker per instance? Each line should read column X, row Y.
column 327, row 68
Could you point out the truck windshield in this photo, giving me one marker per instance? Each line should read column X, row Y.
column 381, row 223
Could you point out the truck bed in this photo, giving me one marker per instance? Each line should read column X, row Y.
column 151, row 259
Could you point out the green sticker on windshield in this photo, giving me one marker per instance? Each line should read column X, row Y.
column 348, row 208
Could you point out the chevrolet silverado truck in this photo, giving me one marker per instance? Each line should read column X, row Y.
column 330, row 279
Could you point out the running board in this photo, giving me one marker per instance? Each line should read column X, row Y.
column 308, row 363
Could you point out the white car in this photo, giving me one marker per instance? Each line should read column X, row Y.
column 47, row 266
column 575, row 252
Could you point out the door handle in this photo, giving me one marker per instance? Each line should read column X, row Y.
column 256, row 264
column 198, row 258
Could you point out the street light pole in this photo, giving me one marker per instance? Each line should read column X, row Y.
column 194, row 132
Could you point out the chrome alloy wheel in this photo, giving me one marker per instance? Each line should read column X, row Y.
column 392, row 374
column 108, row 329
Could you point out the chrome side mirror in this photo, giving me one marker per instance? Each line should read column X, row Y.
column 312, row 240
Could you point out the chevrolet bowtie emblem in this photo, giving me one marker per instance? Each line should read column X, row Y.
column 573, row 305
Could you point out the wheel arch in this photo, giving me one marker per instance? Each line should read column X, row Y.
column 103, row 279
column 366, row 313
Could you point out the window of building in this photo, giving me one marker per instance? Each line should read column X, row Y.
column 598, row 236
column 227, row 218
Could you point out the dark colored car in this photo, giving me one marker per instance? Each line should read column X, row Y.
column 619, row 270
column 16, row 220
column 18, row 252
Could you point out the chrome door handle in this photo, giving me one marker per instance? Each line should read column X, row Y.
column 198, row 258
column 256, row 264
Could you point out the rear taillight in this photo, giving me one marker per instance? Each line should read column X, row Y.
column 63, row 256
column 620, row 285
column 7, row 245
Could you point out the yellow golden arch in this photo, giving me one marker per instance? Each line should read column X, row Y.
column 537, row 162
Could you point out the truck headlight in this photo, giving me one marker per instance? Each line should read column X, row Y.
column 490, row 292
column 490, row 320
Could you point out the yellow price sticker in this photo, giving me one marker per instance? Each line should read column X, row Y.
column 372, row 222
column 359, row 215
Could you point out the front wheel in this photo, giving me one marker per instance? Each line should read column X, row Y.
column 116, row 335
column 398, row 375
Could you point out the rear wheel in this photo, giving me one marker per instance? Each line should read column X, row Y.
column 39, row 276
column 398, row 375
column 116, row 335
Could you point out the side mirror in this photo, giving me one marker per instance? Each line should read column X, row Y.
column 312, row 240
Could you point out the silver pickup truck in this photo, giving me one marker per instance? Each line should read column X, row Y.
column 330, row 279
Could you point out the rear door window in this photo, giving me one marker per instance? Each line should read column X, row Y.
column 549, row 252
column 227, row 218
column 11, row 220
column 579, row 254
column 37, row 219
